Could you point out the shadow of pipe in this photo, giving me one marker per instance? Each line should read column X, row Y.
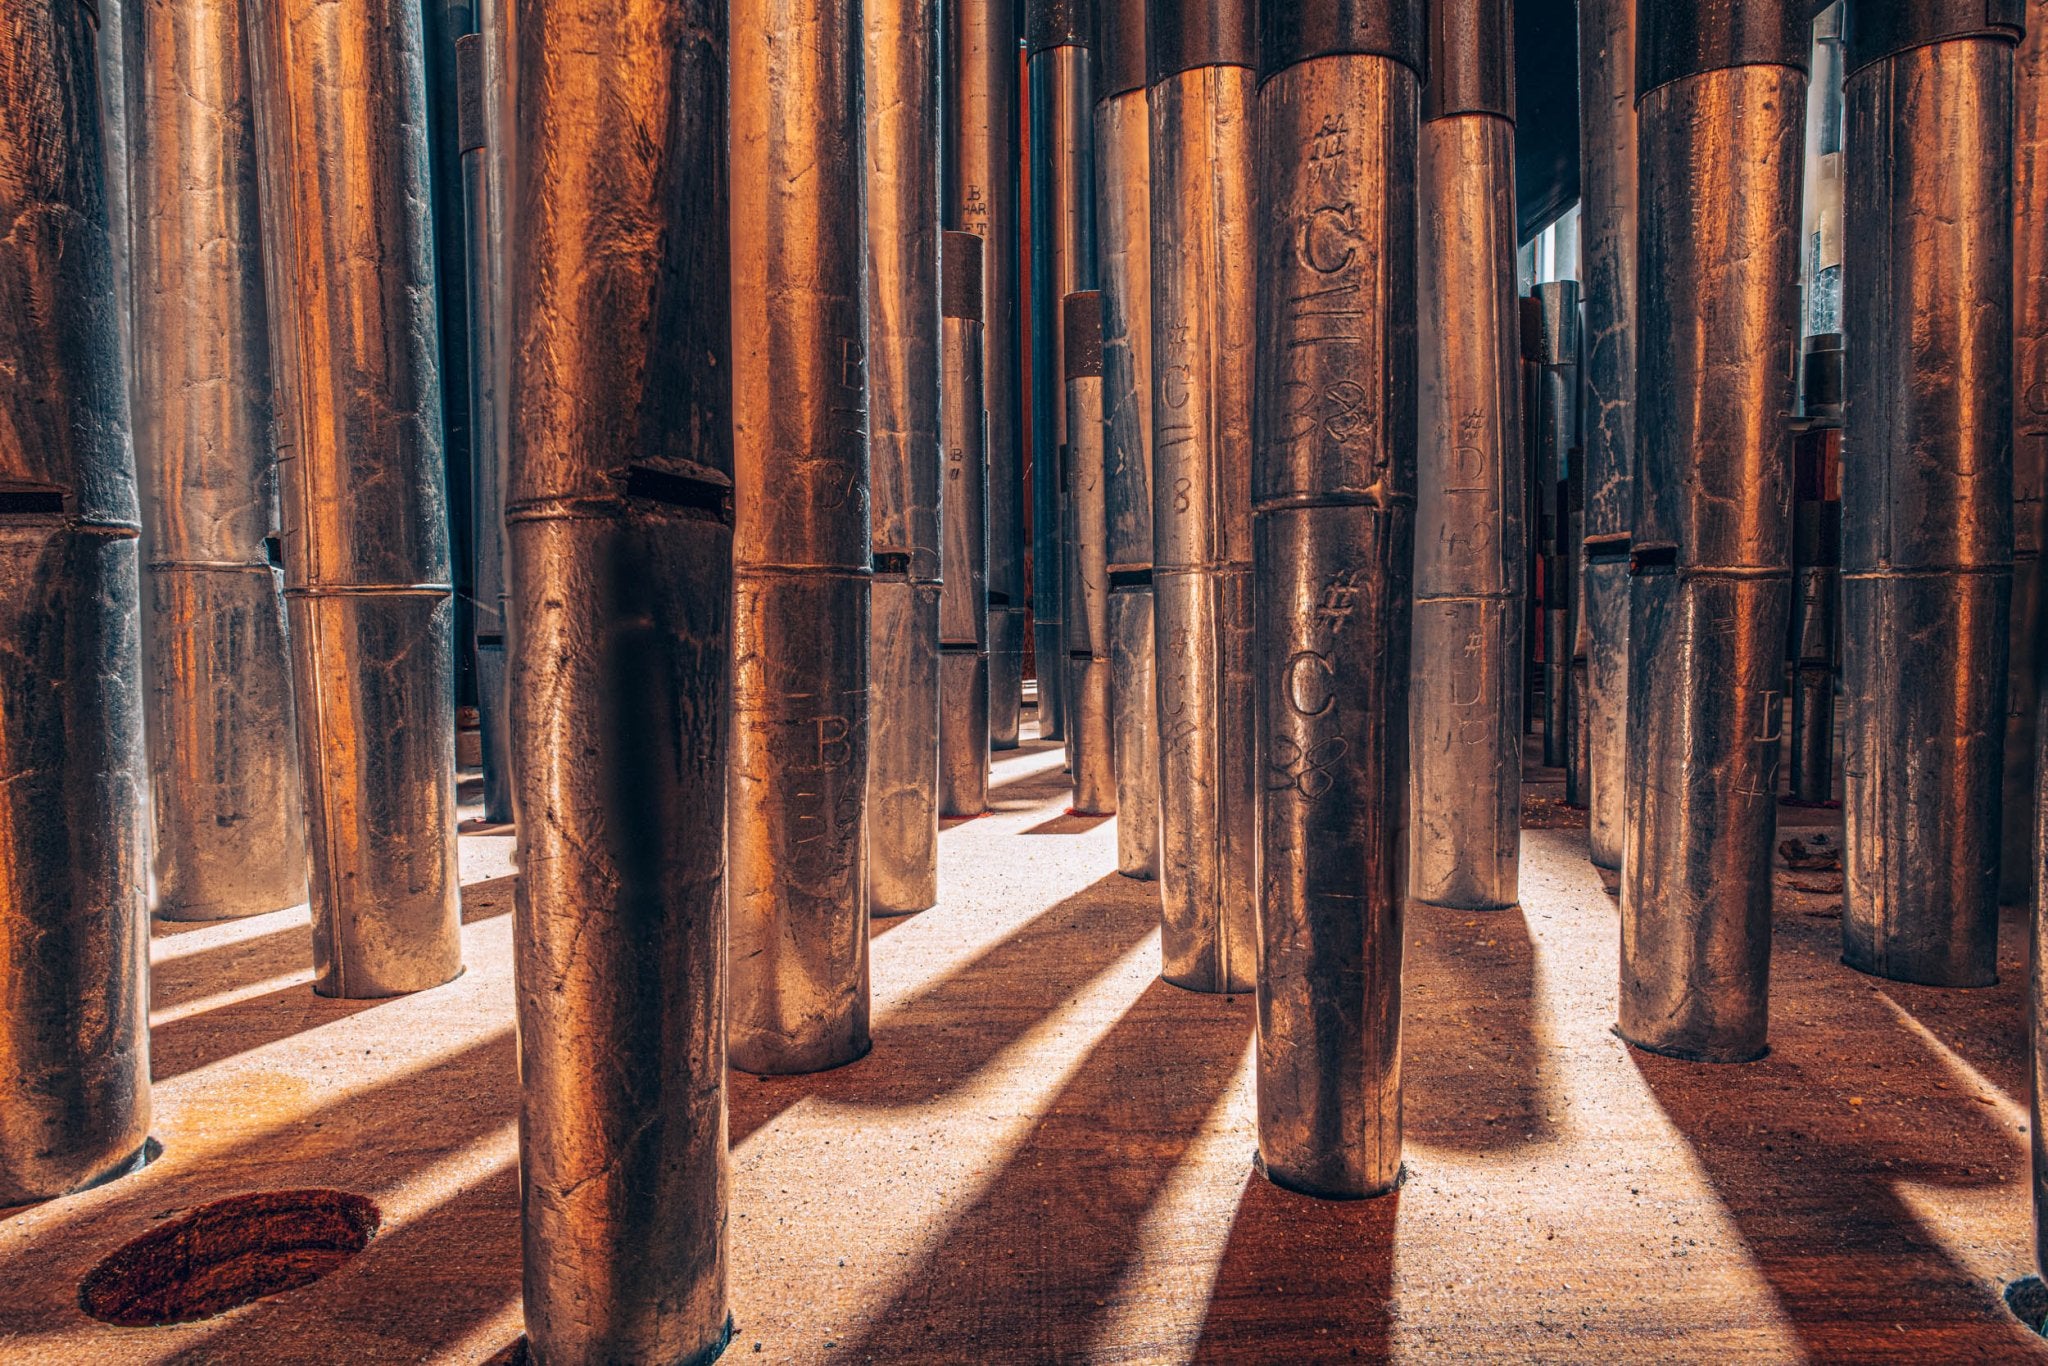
column 1303, row 1280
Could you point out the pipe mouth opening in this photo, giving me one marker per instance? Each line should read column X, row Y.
column 226, row 1254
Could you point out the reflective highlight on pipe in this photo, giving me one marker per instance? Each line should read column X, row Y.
column 797, row 832
column 963, row 518
column 74, row 950
column 1091, row 742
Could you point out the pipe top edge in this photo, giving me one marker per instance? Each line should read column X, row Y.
column 960, row 271
column 1058, row 23
column 1471, row 59
column 1873, row 30
column 1291, row 33
column 1680, row 38
column 1182, row 35
column 1119, row 48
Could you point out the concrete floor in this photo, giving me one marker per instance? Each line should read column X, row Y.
column 1047, row 1156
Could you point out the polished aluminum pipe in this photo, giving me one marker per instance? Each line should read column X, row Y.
column 74, row 938
column 1556, row 417
column 981, row 198
column 1056, row 35
column 798, row 825
column 2028, row 657
column 900, row 74
column 1333, row 497
column 963, row 518
column 1201, row 60
column 619, row 530
column 1607, row 256
column 1123, row 254
column 1722, row 114
column 1816, row 570
column 355, row 355
column 1471, row 535
column 1091, row 737
column 224, row 772
column 1927, row 535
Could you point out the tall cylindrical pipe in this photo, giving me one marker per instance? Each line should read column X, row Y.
column 1578, row 759
column 224, row 774
column 1607, row 247
column 487, row 486
column 1927, row 532
column 1816, row 568
column 981, row 198
column 2029, row 658
column 1722, row 104
column 1557, row 407
column 74, row 951
column 619, row 529
column 1123, row 253
column 1471, row 536
column 963, row 520
column 1057, row 35
column 365, row 529
column 798, row 827
column 1333, row 493
column 900, row 77
column 1201, row 67
column 1091, row 739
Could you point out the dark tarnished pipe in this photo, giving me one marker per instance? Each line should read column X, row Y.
column 1201, row 60
column 1123, row 254
column 619, row 530
column 900, row 77
column 1091, row 739
column 1057, row 37
column 981, row 198
column 487, row 528
column 963, row 519
column 1578, row 753
column 1722, row 106
column 1333, row 496
column 355, row 349
column 1557, row 406
column 1607, row 246
column 224, row 779
column 1816, row 569
column 74, row 951
column 1471, row 536
column 1927, row 534
column 2029, row 660
column 798, row 830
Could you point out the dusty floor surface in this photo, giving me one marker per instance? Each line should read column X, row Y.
column 1047, row 1157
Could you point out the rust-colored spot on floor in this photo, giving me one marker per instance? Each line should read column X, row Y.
column 225, row 1254
column 1545, row 811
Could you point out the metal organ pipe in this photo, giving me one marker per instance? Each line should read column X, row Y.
column 368, row 589
column 797, row 837
column 1471, row 537
column 1722, row 99
column 1091, row 746
column 1927, row 536
column 1201, row 57
column 1123, row 228
column 900, row 78
column 1557, row 406
column 1333, row 493
column 963, row 518
column 619, row 518
column 230, row 818
column 2029, row 659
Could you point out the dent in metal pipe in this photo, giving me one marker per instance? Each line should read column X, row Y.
column 963, row 518
column 365, row 528
column 229, row 818
column 1607, row 247
column 797, row 836
column 1722, row 110
column 1203, row 88
column 1091, row 738
column 1123, row 243
column 619, row 529
column 1333, row 494
column 900, row 78
column 1816, row 569
column 1557, row 405
column 1057, row 35
column 981, row 198
column 2028, row 660
column 1927, row 534
column 1471, row 537
column 74, row 951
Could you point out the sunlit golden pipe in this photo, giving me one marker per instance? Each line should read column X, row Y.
column 74, row 1046
column 1927, row 534
column 798, row 827
column 364, row 518
column 2029, row 658
column 963, row 520
column 1333, row 499
column 230, row 833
